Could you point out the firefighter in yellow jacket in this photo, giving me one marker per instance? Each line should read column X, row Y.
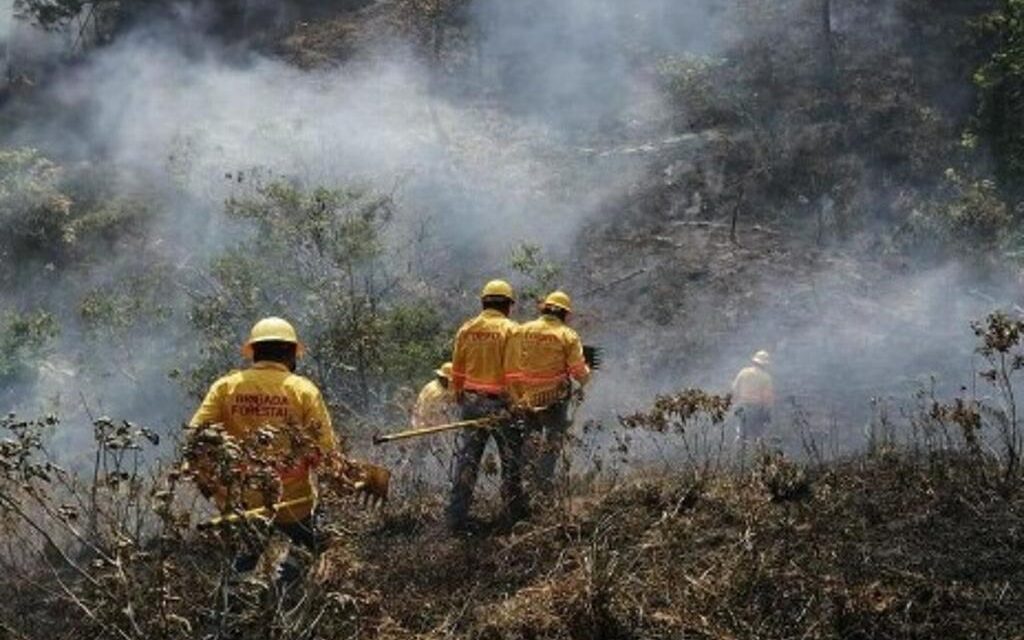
column 479, row 387
column 435, row 403
column 268, row 397
column 753, row 394
column 544, row 357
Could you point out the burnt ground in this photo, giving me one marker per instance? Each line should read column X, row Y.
column 882, row 547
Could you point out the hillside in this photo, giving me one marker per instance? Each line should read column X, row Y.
column 834, row 181
column 883, row 546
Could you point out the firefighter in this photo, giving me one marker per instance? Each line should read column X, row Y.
column 753, row 393
column 544, row 357
column 478, row 385
column 435, row 404
column 269, row 397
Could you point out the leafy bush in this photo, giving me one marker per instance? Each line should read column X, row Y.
column 1000, row 82
column 321, row 258
column 139, row 300
column 52, row 14
column 56, row 216
column 541, row 273
column 23, row 337
column 702, row 88
column 968, row 218
column 34, row 212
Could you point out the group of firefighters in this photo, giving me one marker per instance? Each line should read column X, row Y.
column 519, row 380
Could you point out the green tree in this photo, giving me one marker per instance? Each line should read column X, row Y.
column 35, row 213
column 1000, row 82
column 541, row 273
column 320, row 258
column 23, row 338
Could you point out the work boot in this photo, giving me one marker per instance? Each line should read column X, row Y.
column 463, row 527
column 512, row 516
column 289, row 571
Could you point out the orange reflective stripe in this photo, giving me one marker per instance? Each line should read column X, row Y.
column 486, row 387
column 579, row 369
column 537, row 377
column 300, row 470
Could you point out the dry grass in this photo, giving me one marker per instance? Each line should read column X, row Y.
column 897, row 543
column 875, row 548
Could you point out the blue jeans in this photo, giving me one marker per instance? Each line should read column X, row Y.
column 552, row 424
column 754, row 421
column 302, row 533
column 470, row 450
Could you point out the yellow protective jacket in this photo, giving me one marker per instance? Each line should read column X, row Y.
column 269, row 395
column 478, row 363
column 753, row 386
column 543, row 355
column 433, row 406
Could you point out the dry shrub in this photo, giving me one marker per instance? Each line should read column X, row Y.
column 898, row 545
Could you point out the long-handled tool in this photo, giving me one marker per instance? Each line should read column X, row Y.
column 479, row 423
column 263, row 513
column 343, row 476
column 366, row 479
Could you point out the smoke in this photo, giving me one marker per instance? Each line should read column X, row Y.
column 845, row 338
column 6, row 19
column 6, row 24
column 172, row 116
column 537, row 137
column 175, row 114
column 580, row 64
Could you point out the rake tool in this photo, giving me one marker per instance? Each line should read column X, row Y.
column 369, row 480
column 593, row 355
column 479, row 423
column 262, row 513
column 345, row 476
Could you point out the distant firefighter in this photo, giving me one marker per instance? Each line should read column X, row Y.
column 753, row 393
column 435, row 405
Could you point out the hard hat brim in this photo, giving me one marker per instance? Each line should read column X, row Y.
column 442, row 374
column 247, row 350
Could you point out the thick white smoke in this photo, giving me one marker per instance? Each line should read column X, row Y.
column 6, row 24
column 502, row 152
column 175, row 115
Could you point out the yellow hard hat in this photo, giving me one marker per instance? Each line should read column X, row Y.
column 762, row 358
column 272, row 330
column 445, row 371
column 498, row 289
column 560, row 300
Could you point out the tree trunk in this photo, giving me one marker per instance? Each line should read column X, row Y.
column 828, row 63
column 6, row 38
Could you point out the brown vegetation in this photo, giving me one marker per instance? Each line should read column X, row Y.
column 894, row 545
